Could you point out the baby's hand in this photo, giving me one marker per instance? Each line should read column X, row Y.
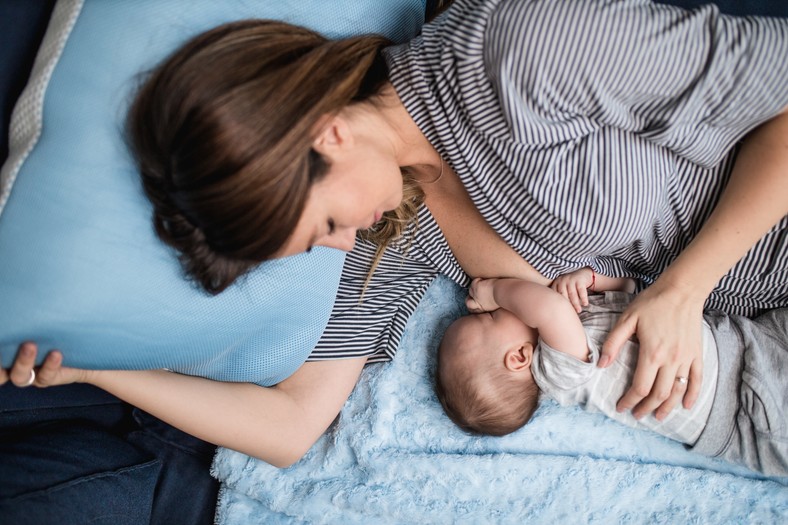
column 480, row 296
column 574, row 286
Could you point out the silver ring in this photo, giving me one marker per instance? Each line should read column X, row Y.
column 32, row 378
column 681, row 380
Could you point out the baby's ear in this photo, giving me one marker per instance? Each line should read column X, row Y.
column 519, row 357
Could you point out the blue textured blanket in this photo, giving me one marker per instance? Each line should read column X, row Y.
column 393, row 457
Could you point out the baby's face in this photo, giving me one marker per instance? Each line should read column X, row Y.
column 490, row 334
column 499, row 323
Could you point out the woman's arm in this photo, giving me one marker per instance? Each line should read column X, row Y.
column 667, row 315
column 478, row 248
column 277, row 424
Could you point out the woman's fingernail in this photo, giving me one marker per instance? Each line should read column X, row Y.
column 603, row 361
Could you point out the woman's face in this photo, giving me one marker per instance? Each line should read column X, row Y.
column 353, row 196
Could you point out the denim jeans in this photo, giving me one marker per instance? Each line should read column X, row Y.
column 75, row 455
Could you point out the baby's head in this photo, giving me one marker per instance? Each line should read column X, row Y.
column 483, row 378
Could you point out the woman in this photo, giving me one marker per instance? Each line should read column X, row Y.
column 551, row 132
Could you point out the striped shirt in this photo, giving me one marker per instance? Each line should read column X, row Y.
column 587, row 133
column 570, row 381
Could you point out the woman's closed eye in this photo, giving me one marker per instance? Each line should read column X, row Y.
column 331, row 230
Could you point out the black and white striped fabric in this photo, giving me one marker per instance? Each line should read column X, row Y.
column 588, row 133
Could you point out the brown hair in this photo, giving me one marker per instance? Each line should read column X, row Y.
column 484, row 399
column 222, row 132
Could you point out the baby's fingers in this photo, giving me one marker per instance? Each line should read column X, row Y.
column 582, row 294
column 559, row 285
column 571, row 294
column 473, row 305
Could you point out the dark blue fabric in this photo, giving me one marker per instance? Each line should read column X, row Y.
column 75, row 454
column 738, row 7
column 22, row 26
column 185, row 493
column 74, row 473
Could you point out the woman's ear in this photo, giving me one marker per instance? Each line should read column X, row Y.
column 519, row 357
column 333, row 133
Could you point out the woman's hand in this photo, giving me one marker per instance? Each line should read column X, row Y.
column 277, row 424
column 480, row 296
column 24, row 373
column 667, row 315
column 667, row 322
column 574, row 286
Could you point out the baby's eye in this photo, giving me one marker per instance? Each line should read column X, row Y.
column 331, row 226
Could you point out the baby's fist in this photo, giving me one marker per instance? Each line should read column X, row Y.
column 481, row 297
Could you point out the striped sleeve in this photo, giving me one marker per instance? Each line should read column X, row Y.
column 691, row 81
column 368, row 321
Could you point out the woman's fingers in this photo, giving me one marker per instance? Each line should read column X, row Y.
column 661, row 388
column 695, row 382
column 680, row 387
column 22, row 373
column 651, row 384
column 659, row 395
column 642, row 386
column 670, row 357
column 624, row 329
column 49, row 370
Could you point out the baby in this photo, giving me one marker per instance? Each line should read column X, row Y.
column 524, row 338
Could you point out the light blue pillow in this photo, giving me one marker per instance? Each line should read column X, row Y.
column 80, row 266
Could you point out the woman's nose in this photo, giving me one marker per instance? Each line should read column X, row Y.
column 343, row 239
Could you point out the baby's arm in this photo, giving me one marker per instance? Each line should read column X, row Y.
column 537, row 306
column 575, row 285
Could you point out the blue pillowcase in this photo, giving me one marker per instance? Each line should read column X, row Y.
column 81, row 268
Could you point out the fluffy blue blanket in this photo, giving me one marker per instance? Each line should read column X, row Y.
column 394, row 457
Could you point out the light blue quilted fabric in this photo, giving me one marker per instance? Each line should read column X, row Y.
column 80, row 266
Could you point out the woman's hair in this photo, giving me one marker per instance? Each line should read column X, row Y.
column 484, row 399
column 222, row 132
column 395, row 222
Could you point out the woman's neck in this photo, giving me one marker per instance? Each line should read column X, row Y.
column 411, row 148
